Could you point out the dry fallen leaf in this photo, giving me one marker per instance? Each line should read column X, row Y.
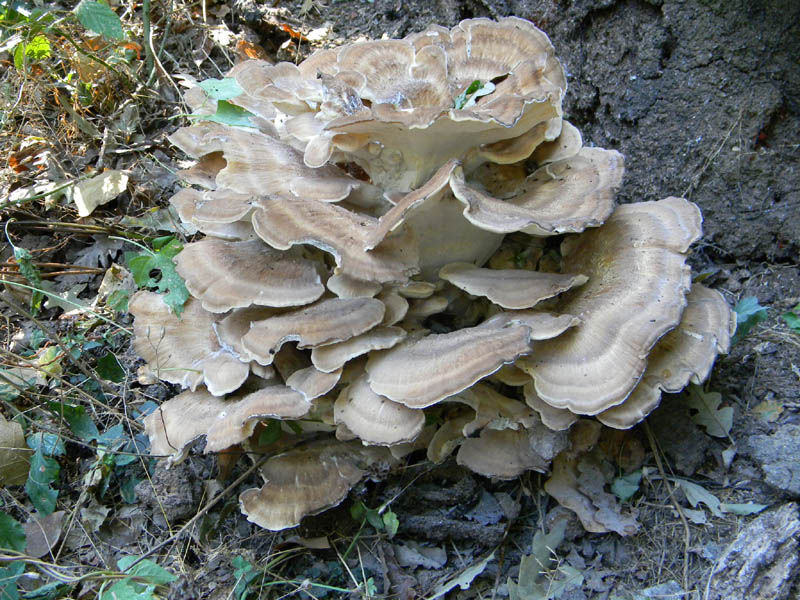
column 43, row 533
column 14, row 453
column 100, row 189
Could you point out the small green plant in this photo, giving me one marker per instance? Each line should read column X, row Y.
column 44, row 471
column 749, row 313
column 541, row 575
column 470, row 96
column 155, row 269
column 792, row 318
column 381, row 519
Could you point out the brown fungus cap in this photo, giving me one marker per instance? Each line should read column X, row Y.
column 331, row 357
column 184, row 350
column 225, row 216
column 345, row 286
column 313, row 383
column 226, row 275
column 325, row 322
column 635, row 294
column 685, row 354
column 565, row 196
column 444, row 364
column 493, row 410
column 256, row 162
column 506, row 453
column 509, row 288
column 224, row 422
column 307, row 481
column 339, row 232
column 374, row 419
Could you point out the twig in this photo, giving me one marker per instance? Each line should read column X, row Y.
column 686, row 539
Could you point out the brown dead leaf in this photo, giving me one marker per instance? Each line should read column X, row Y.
column 43, row 533
column 14, row 453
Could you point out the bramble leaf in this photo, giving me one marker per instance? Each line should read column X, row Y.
column 98, row 17
column 749, row 313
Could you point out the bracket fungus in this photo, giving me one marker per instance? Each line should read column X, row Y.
column 407, row 229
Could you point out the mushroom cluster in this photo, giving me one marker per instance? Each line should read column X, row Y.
column 407, row 247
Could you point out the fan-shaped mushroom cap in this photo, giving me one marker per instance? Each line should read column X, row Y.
column 193, row 414
column 256, row 163
column 345, row 286
column 225, row 275
column 684, row 354
column 184, row 350
column 565, row 196
column 557, row 419
column 326, row 322
column 375, row 419
column 313, row 383
column 444, row 364
column 505, row 453
column 511, row 375
column 331, row 357
column 234, row 326
column 396, row 307
column 448, row 437
column 204, row 172
column 566, row 145
column 493, row 410
column 635, row 294
column 417, row 289
column 519, row 148
column 543, row 325
column 422, row 308
column 509, row 288
column 338, row 231
column 307, row 481
column 196, row 208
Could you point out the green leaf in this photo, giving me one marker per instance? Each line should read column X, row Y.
column 742, row 509
column 169, row 283
column 48, row 443
column 49, row 591
column 271, row 434
column 792, row 319
column 626, row 486
column 230, row 114
column 118, row 300
column 391, row 523
column 108, row 367
column 112, row 436
column 12, row 534
column 146, row 569
column 38, row 48
column 461, row 99
column 43, row 472
column 8, row 580
column 697, row 494
column 717, row 421
column 221, row 89
column 532, row 583
column 98, row 17
column 128, row 590
column 30, row 272
column 79, row 422
column 244, row 573
column 749, row 313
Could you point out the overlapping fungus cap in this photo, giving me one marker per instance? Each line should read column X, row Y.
column 409, row 228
